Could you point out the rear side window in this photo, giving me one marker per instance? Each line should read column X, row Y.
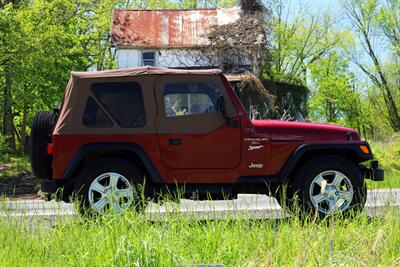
column 182, row 99
column 94, row 116
column 123, row 101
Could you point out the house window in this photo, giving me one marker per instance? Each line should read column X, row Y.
column 149, row 58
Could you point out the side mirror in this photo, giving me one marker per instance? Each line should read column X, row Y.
column 233, row 123
column 221, row 105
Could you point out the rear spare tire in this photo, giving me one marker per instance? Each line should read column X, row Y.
column 42, row 126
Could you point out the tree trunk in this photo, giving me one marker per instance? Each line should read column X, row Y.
column 23, row 142
column 394, row 116
column 8, row 116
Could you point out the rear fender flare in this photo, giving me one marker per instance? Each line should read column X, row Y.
column 113, row 147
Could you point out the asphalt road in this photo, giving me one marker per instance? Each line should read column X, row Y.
column 251, row 206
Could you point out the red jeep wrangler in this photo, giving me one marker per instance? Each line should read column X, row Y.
column 169, row 129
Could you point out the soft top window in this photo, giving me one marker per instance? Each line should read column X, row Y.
column 190, row 98
column 123, row 101
column 94, row 116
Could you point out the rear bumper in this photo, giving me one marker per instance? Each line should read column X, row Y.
column 50, row 186
column 375, row 172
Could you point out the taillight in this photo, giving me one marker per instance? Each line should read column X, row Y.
column 50, row 149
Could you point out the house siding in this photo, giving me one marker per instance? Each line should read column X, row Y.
column 167, row 58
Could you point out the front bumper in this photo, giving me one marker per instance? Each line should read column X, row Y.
column 374, row 172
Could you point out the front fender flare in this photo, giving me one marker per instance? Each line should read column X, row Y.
column 300, row 151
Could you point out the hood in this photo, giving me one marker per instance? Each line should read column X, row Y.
column 304, row 131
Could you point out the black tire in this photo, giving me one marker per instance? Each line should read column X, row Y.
column 41, row 130
column 297, row 196
column 110, row 165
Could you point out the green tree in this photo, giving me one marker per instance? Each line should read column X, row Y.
column 299, row 41
column 389, row 22
column 42, row 41
column 370, row 18
column 333, row 92
column 39, row 47
column 335, row 96
column 11, row 44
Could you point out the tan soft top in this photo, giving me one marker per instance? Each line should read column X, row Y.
column 70, row 117
column 142, row 71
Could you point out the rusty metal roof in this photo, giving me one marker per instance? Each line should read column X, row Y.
column 168, row 28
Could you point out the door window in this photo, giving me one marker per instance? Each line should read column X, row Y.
column 181, row 99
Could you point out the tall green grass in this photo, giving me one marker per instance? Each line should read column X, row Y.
column 388, row 154
column 132, row 239
column 392, row 181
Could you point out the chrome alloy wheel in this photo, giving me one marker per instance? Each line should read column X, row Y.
column 331, row 192
column 110, row 191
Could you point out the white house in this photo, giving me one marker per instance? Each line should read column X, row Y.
column 166, row 38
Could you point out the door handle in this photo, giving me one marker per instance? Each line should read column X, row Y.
column 174, row 141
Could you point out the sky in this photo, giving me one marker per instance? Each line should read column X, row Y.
column 318, row 4
column 314, row 6
column 334, row 7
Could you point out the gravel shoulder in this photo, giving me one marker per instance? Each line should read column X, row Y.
column 246, row 205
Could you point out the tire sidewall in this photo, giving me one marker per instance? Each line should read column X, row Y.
column 304, row 178
column 41, row 129
column 130, row 171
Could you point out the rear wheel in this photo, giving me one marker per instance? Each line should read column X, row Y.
column 110, row 185
column 327, row 185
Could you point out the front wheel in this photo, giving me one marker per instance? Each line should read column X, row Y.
column 325, row 186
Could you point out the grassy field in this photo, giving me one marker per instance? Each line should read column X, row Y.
column 388, row 155
column 133, row 240
column 392, row 180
